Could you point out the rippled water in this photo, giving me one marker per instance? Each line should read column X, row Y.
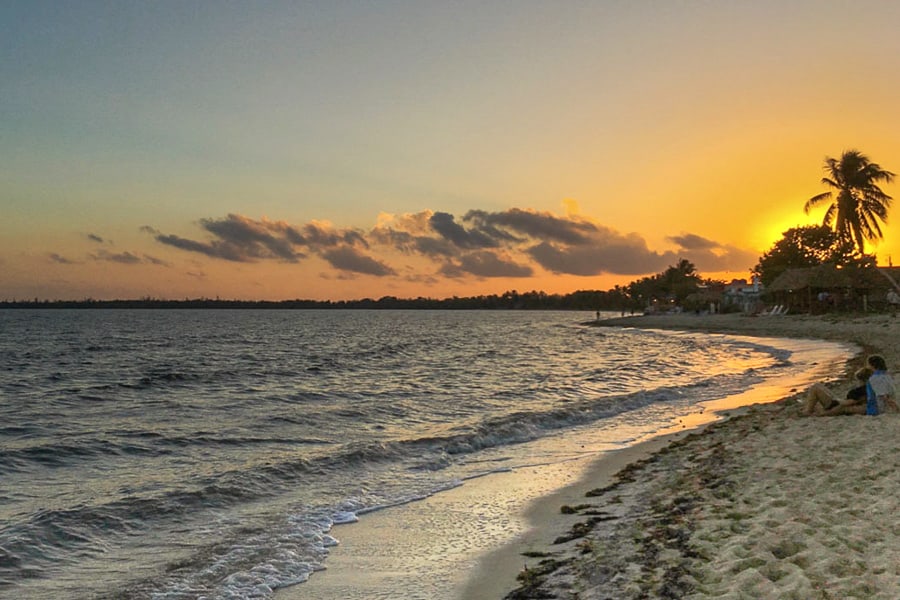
column 187, row 454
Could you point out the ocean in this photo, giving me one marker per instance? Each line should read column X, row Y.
column 187, row 454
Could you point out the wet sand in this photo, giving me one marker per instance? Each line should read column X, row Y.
column 384, row 555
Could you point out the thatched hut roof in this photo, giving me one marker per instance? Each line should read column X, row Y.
column 887, row 277
column 829, row 277
column 819, row 277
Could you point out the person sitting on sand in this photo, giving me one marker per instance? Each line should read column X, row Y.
column 880, row 390
column 853, row 404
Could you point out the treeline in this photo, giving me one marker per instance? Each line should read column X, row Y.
column 674, row 286
column 511, row 300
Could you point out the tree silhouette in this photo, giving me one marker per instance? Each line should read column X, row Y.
column 857, row 204
column 673, row 285
column 802, row 247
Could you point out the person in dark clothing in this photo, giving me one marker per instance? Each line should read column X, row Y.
column 854, row 403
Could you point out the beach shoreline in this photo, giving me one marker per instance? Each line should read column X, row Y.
column 497, row 572
column 767, row 504
column 538, row 519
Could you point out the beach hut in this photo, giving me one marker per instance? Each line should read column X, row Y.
column 826, row 288
column 812, row 289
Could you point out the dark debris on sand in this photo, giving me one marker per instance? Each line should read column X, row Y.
column 636, row 542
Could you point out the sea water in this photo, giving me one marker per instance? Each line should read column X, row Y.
column 176, row 454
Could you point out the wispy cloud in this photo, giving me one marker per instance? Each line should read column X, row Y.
column 127, row 258
column 156, row 261
column 62, row 260
column 213, row 249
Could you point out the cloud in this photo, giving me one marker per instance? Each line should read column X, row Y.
column 722, row 258
column 689, row 241
column 713, row 256
column 415, row 223
column 316, row 235
column 509, row 243
column 57, row 258
column 95, row 238
column 484, row 263
column 616, row 254
column 241, row 239
column 156, row 261
column 127, row 258
column 236, row 239
column 251, row 239
column 569, row 244
column 447, row 227
column 412, row 234
column 572, row 245
column 123, row 258
column 537, row 225
column 214, row 249
column 349, row 259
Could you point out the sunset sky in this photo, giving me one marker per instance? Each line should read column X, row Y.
column 340, row 150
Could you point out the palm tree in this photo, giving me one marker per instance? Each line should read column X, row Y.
column 857, row 203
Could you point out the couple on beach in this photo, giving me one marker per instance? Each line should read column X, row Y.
column 875, row 393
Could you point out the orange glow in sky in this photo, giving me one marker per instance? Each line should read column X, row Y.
column 340, row 151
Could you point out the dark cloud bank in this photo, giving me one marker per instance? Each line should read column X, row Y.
column 511, row 243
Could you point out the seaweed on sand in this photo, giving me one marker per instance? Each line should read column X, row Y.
column 531, row 580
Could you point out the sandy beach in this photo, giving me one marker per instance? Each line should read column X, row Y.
column 768, row 504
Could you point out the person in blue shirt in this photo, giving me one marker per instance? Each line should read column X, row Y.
column 880, row 390
column 853, row 404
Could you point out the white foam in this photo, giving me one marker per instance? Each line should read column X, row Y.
column 343, row 517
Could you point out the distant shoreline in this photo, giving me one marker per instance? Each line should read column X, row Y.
column 523, row 302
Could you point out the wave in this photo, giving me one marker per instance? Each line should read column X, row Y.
column 66, row 454
column 346, row 449
column 81, row 526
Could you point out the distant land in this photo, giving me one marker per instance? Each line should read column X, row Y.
column 580, row 300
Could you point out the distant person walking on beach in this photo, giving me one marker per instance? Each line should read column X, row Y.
column 880, row 390
column 853, row 404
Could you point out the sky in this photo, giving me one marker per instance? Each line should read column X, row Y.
column 345, row 150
